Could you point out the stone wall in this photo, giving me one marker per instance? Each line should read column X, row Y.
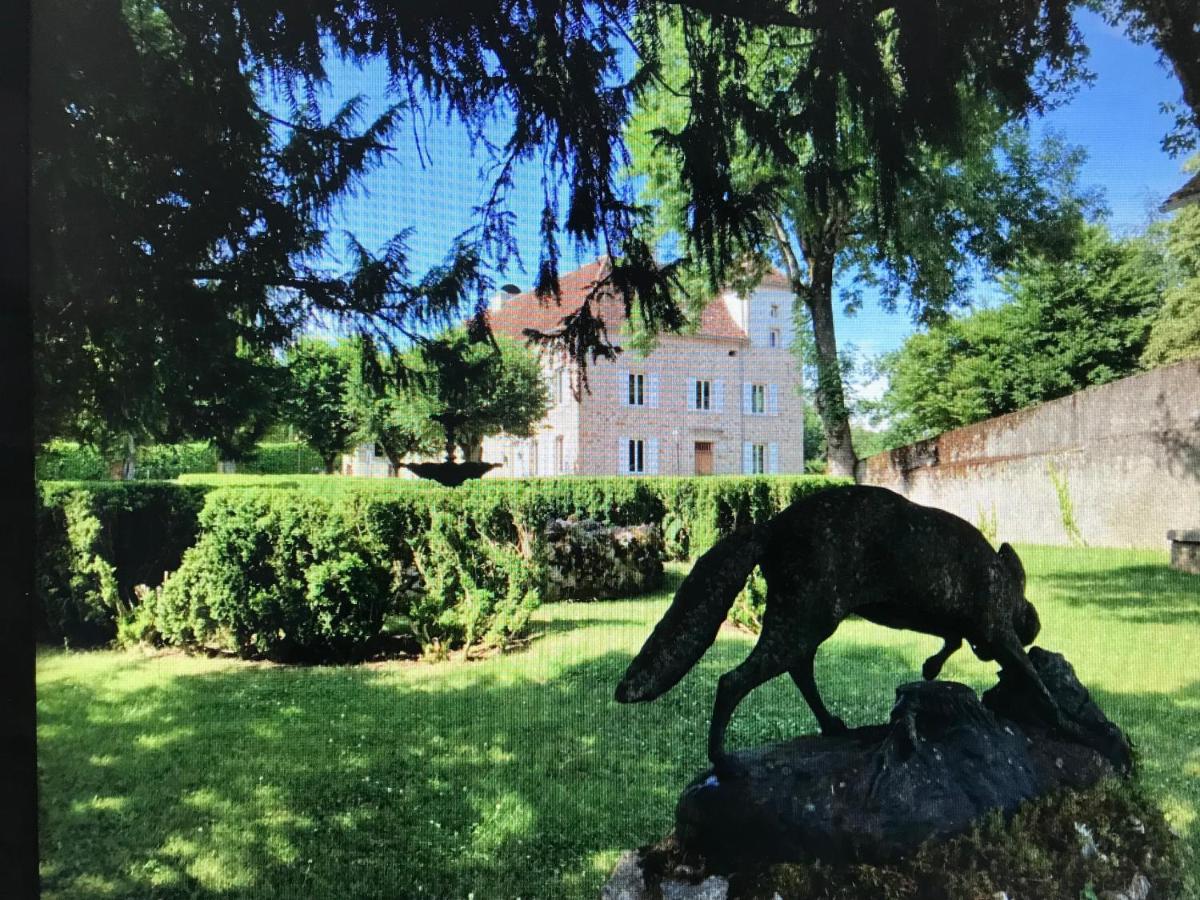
column 1114, row 466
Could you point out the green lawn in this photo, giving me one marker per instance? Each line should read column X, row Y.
column 172, row 776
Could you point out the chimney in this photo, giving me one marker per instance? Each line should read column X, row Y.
column 496, row 301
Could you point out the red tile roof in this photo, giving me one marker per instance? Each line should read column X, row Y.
column 521, row 311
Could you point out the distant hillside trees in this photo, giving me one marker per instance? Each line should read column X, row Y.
column 1175, row 334
column 1066, row 325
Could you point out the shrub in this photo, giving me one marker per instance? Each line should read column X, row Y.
column 277, row 574
column 68, row 461
column 750, row 603
column 476, row 589
column 309, row 572
column 97, row 541
column 163, row 462
column 283, row 458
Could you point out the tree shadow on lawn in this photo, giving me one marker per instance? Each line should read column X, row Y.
column 346, row 782
column 1141, row 594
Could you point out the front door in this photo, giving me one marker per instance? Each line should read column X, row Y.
column 704, row 457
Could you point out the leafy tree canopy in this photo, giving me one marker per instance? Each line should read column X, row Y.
column 951, row 211
column 314, row 396
column 477, row 388
column 179, row 224
column 1175, row 334
column 1067, row 325
column 383, row 409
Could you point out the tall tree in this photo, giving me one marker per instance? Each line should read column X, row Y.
column 383, row 408
column 950, row 213
column 179, row 223
column 314, row 396
column 1066, row 325
column 477, row 388
column 1175, row 334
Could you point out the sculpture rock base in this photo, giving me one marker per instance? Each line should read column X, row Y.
column 943, row 762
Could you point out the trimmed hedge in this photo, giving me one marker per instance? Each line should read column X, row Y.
column 310, row 569
column 68, row 461
column 97, row 541
column 276, row 574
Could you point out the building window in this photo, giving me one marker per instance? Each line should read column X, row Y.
column 774, row 310
column 637, row 389
column 758, row 459
column 637, row 456
column 377, row 451
column 758, row 399
column 773, row 337
column 703, row 397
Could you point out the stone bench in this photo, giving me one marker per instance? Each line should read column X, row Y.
column 1185, row 550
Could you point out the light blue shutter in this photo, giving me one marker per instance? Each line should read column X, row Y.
column 747, row 394
column 718, row 395
column 773, row 399
column 747, row 458
column 652, row 456
column 623, row 374
column 623, row 456
column 652, row 400
column 691, row 394
column 773, row 458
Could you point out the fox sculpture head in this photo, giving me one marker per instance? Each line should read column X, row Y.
column 1025, row 617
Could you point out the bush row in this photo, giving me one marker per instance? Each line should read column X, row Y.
column 68, row 461
column 303, row 574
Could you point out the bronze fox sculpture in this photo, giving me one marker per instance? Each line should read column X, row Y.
column 863, row 550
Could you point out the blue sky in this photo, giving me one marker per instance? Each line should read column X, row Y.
column 1117, row 120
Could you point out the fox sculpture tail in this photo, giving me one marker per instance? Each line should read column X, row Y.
column 690, row 624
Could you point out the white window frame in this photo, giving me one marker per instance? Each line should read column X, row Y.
column 758, row 459
column 758, row 399
column 635, row 389
column 635, row 457
column 702, row 395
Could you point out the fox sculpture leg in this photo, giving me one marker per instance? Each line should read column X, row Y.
column 933, row 666
column 782, row 647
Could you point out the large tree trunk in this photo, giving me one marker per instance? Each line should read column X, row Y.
column 1176, row 33
column 329, row 461
column 829, row 395
column 820, row 251
column 129, row 463
column 472, row 449
column 393, row 457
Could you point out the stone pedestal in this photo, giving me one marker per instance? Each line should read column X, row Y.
column 1185, row 550
column 943, row 762
column 875, row 800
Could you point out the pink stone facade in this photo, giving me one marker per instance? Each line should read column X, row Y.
column 723, row 401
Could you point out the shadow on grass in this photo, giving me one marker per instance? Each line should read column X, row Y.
column 1144, row 594
column 347, row 782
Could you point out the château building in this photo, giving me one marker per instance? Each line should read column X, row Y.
column 724, row 399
